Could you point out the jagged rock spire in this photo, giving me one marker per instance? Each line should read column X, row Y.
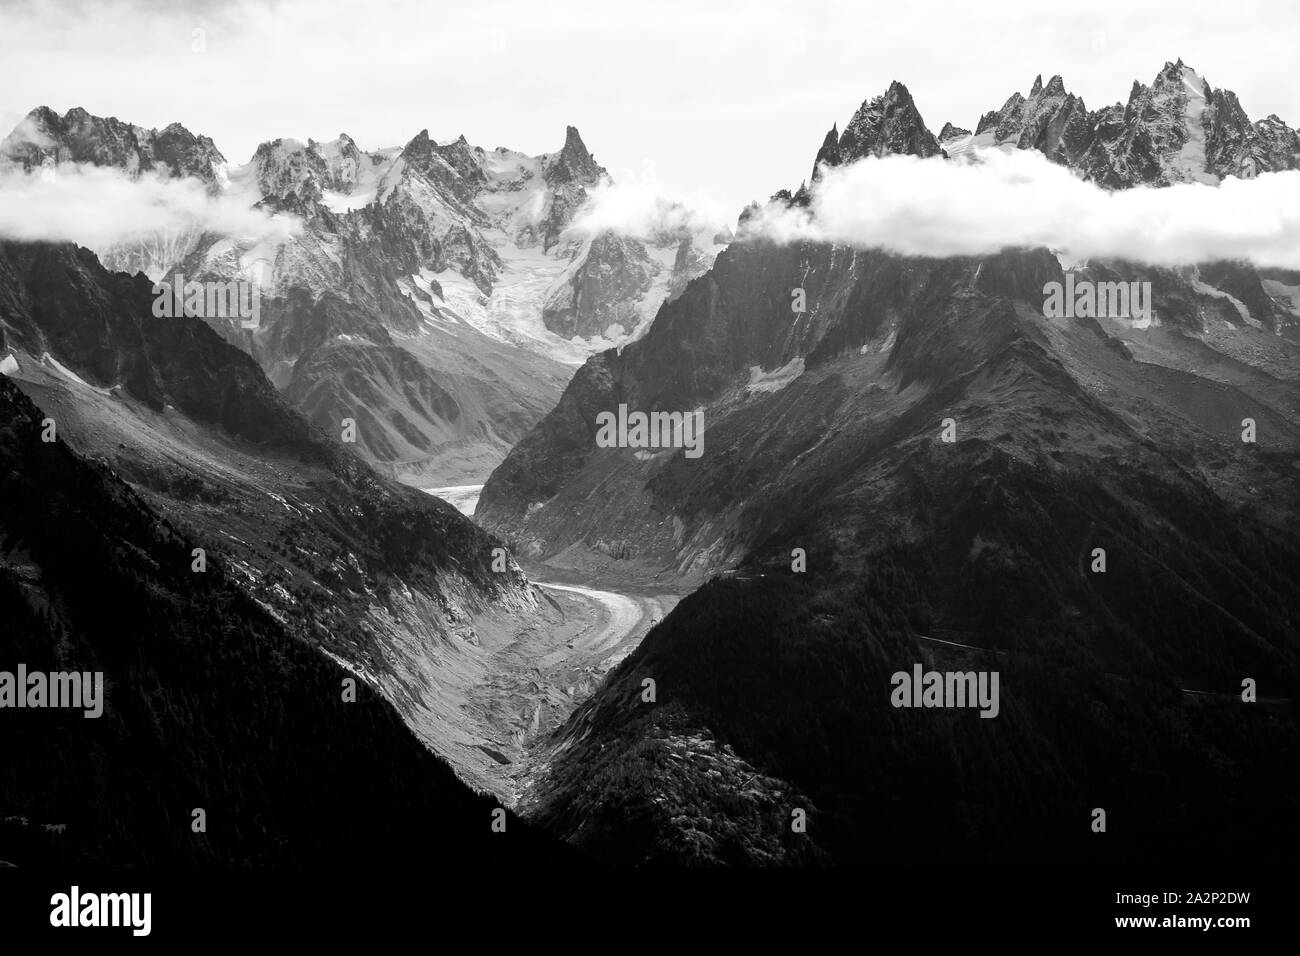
column 829, row 153
column 887, row 124
column 573, row 163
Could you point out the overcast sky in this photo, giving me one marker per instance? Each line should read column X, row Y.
column 720, row 102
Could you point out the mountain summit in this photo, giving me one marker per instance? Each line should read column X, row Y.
column 888, row 124
column 43, row 137
column 1177, row 129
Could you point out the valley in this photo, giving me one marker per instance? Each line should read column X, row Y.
column 528, row 680
column 525, row 673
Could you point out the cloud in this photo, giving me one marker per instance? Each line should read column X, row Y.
column 636, row 205
column 102, row 207
column 29, row 131
column 1017, row 198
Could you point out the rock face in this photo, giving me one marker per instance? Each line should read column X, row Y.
column 568, row 174
column 603, row 290
column 616, row 284
column 1177, row 129
column 1050, row 120
column 884, row 125
column 1278, row 144
column 433, row 293
column 887, row 124
column 60, row 301
column 44, row 137
column 287, row 172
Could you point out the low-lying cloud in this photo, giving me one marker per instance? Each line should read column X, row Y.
column 990, row 200
column 993, row 200
column 1017, row 198
column 636, row 205
column 103, row 207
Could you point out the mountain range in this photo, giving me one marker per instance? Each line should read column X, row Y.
column 918, row 468
column 433, row 294
column 921, row 466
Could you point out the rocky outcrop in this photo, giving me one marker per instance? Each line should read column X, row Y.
column 602, row 290
column 887, row 124
column 44, row 137
column 1177, row 129
column 1050, row 120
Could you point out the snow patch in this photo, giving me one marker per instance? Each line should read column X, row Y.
column 966, row 147
column 344, row 202
column 464, row 498
column 775, row 380
column 50, row 361
column 883, row 347
column 1240, row 306
column 1280, row 290
column 1190, row 161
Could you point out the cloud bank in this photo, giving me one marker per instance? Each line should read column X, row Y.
column 990, row 200
column 1017, row 198
column 994, row 200
column 103, row 207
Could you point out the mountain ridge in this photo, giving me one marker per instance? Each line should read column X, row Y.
column 922, row 466
column 426, row 270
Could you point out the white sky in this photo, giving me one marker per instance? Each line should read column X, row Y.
column 719, row 102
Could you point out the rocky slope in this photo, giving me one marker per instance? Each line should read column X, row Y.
column 210, row 703
column 224, row 681
column 393, row 584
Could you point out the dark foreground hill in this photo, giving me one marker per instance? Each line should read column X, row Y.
column 220, row 693
column 211, row 704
